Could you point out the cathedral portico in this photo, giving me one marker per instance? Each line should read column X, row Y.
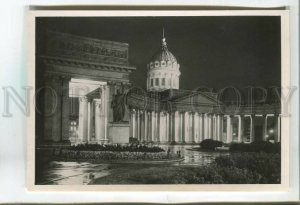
column 64, row 60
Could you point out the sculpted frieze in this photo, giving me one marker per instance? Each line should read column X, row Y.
column 82, row 49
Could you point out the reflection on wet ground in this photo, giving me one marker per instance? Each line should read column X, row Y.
column 73, row 173
column 193, row 157
column 79, row 173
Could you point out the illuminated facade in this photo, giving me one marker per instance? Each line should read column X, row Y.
column 92, row 78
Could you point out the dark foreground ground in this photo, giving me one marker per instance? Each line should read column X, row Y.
column 237, row 168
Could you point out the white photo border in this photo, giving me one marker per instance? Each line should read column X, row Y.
column 285, row 82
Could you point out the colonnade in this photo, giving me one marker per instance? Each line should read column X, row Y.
column 193, row 127
column 92, row 120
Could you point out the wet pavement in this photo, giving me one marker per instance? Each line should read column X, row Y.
column 193, row 157
column 79, row 173
column 73, row 173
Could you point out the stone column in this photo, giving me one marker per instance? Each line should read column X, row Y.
column 240, row 128
column 278, row 127
column 196, row 127
column 153, row 126
column 252, row 134
column 191, row 128
column 48, row 109
column 181, row 127
column 65, row 105
column 229, row 130
column 106, row 107
column 214, row 127
column 99, row 124
column 142, row 119
column 162, row 127
column 176, row 126
column 221, row 127
column 209, row 126
column 148, row 125
column 52, row 112
column 265, row 127
column 57, row 116
column 201, row 127
column 145, row 126
column 90, row 120
column 167, row 129
column 186, row 124
column 171, row 125
column 138, row 126
column 83, row 120
column 206, row 135
column 217, row 126
column 133, row 113
column 157, row 126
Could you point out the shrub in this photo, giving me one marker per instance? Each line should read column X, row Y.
column 210, row 144
column 115, row 148
column 110, row 155
column 267, row 166
column 256, row 146
column 133, row 140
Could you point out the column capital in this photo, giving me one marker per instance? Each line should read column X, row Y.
column 97, row 103
column 83, row 99
column 162, row 113
column 113, row 83
column 133, row 111
column 104, row 87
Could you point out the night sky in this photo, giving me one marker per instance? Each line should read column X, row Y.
column 212, row 51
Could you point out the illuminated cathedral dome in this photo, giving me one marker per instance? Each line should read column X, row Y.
column 163, row 54
column 163, row 70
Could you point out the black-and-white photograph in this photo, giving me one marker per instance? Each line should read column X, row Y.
column 150, row 100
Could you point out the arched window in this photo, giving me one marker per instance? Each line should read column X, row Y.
column 156, row 81
column 151, row 82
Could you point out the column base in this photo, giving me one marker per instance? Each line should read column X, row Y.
column 103, row 141
column 78, row 141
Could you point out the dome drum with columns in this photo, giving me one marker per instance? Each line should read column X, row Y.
column 163, row 70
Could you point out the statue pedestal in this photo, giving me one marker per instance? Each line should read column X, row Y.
column 119, row 132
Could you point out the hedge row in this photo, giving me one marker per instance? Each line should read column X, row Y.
column 111, row 155
column 259, row 146
column 256, row 146
column 116, row 148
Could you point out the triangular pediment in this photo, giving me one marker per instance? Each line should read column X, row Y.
column 199, row 98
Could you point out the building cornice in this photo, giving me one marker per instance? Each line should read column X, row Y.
column 51, row 60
